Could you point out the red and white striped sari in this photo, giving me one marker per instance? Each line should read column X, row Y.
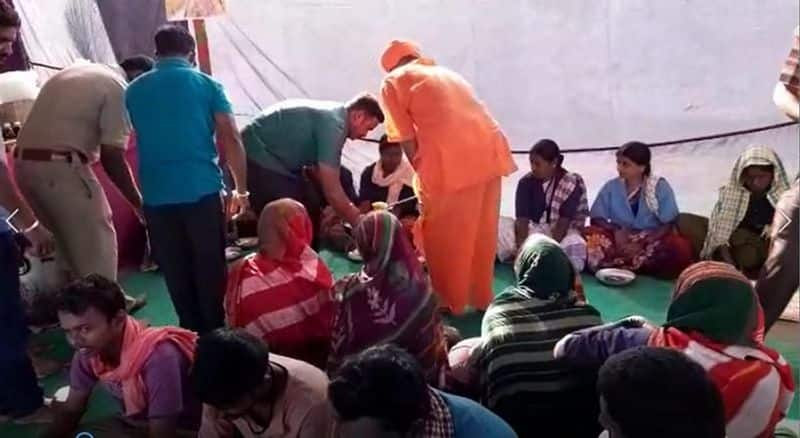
column 716, row 320
column 286, row 301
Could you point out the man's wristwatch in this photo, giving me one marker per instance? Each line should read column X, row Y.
column 239, row 195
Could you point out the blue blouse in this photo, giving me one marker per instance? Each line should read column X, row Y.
column 612, row 204
column 472, row 420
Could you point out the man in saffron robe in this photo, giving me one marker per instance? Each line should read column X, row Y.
column 459, row 153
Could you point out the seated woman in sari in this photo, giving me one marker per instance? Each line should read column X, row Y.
column 512, row 363
column 738, row 230
column 632, row 220
column 390, row 180
column 389, row 301
column 715, row 319
column 282, row 293
column 552, row 201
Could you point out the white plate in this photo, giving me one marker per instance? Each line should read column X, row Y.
column 615, row 277
column 247, row 242
column 355, row 256
column 233, row 253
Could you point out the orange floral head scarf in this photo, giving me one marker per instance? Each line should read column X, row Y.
column 396, row 51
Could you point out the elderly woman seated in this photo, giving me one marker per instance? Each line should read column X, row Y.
column 282, row 292
column 737, row 232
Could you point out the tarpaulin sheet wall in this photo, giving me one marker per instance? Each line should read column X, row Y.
column 585, row 73
column 57, row 32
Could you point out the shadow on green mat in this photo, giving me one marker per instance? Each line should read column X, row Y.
column 645, row 296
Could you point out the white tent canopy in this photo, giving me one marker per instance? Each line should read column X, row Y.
column 584, row 73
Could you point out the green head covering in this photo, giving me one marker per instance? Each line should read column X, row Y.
column 543, row 269
column 718, row 302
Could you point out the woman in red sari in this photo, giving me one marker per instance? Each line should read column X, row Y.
column 282, row 293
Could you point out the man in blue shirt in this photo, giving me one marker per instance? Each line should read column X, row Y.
column 177, row 112
column 21, row 397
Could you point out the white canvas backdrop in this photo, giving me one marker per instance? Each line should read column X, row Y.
column 585, row 73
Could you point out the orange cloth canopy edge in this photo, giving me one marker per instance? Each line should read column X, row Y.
column 397, row 50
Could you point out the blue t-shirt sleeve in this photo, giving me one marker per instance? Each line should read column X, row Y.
column 600, row 206
column 475, row 421
column 591, row 347
column 219, row 99
column 667, row 205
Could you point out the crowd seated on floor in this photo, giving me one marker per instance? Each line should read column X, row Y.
column 635, row 222
column 273, row 345
column 367, row 355
column 308, row 355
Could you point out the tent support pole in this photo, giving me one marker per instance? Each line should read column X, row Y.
column 203, row 53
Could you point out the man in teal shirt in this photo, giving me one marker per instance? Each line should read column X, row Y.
column 179, row 115
column 294, row 149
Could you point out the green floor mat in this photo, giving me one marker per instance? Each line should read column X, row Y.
column 645, row 296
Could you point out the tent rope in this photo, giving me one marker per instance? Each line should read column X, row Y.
column 584, row 150
column 679, row 141
column 657, row 144
column 47, row 66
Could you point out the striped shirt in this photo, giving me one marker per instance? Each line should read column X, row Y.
column 755, row 394
column 790, row 73
column 521, row 380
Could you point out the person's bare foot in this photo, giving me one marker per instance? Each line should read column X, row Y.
column 149, row 266
column 132, row 305
column 43, row 415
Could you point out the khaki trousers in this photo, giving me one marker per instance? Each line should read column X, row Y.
column 69, row 200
